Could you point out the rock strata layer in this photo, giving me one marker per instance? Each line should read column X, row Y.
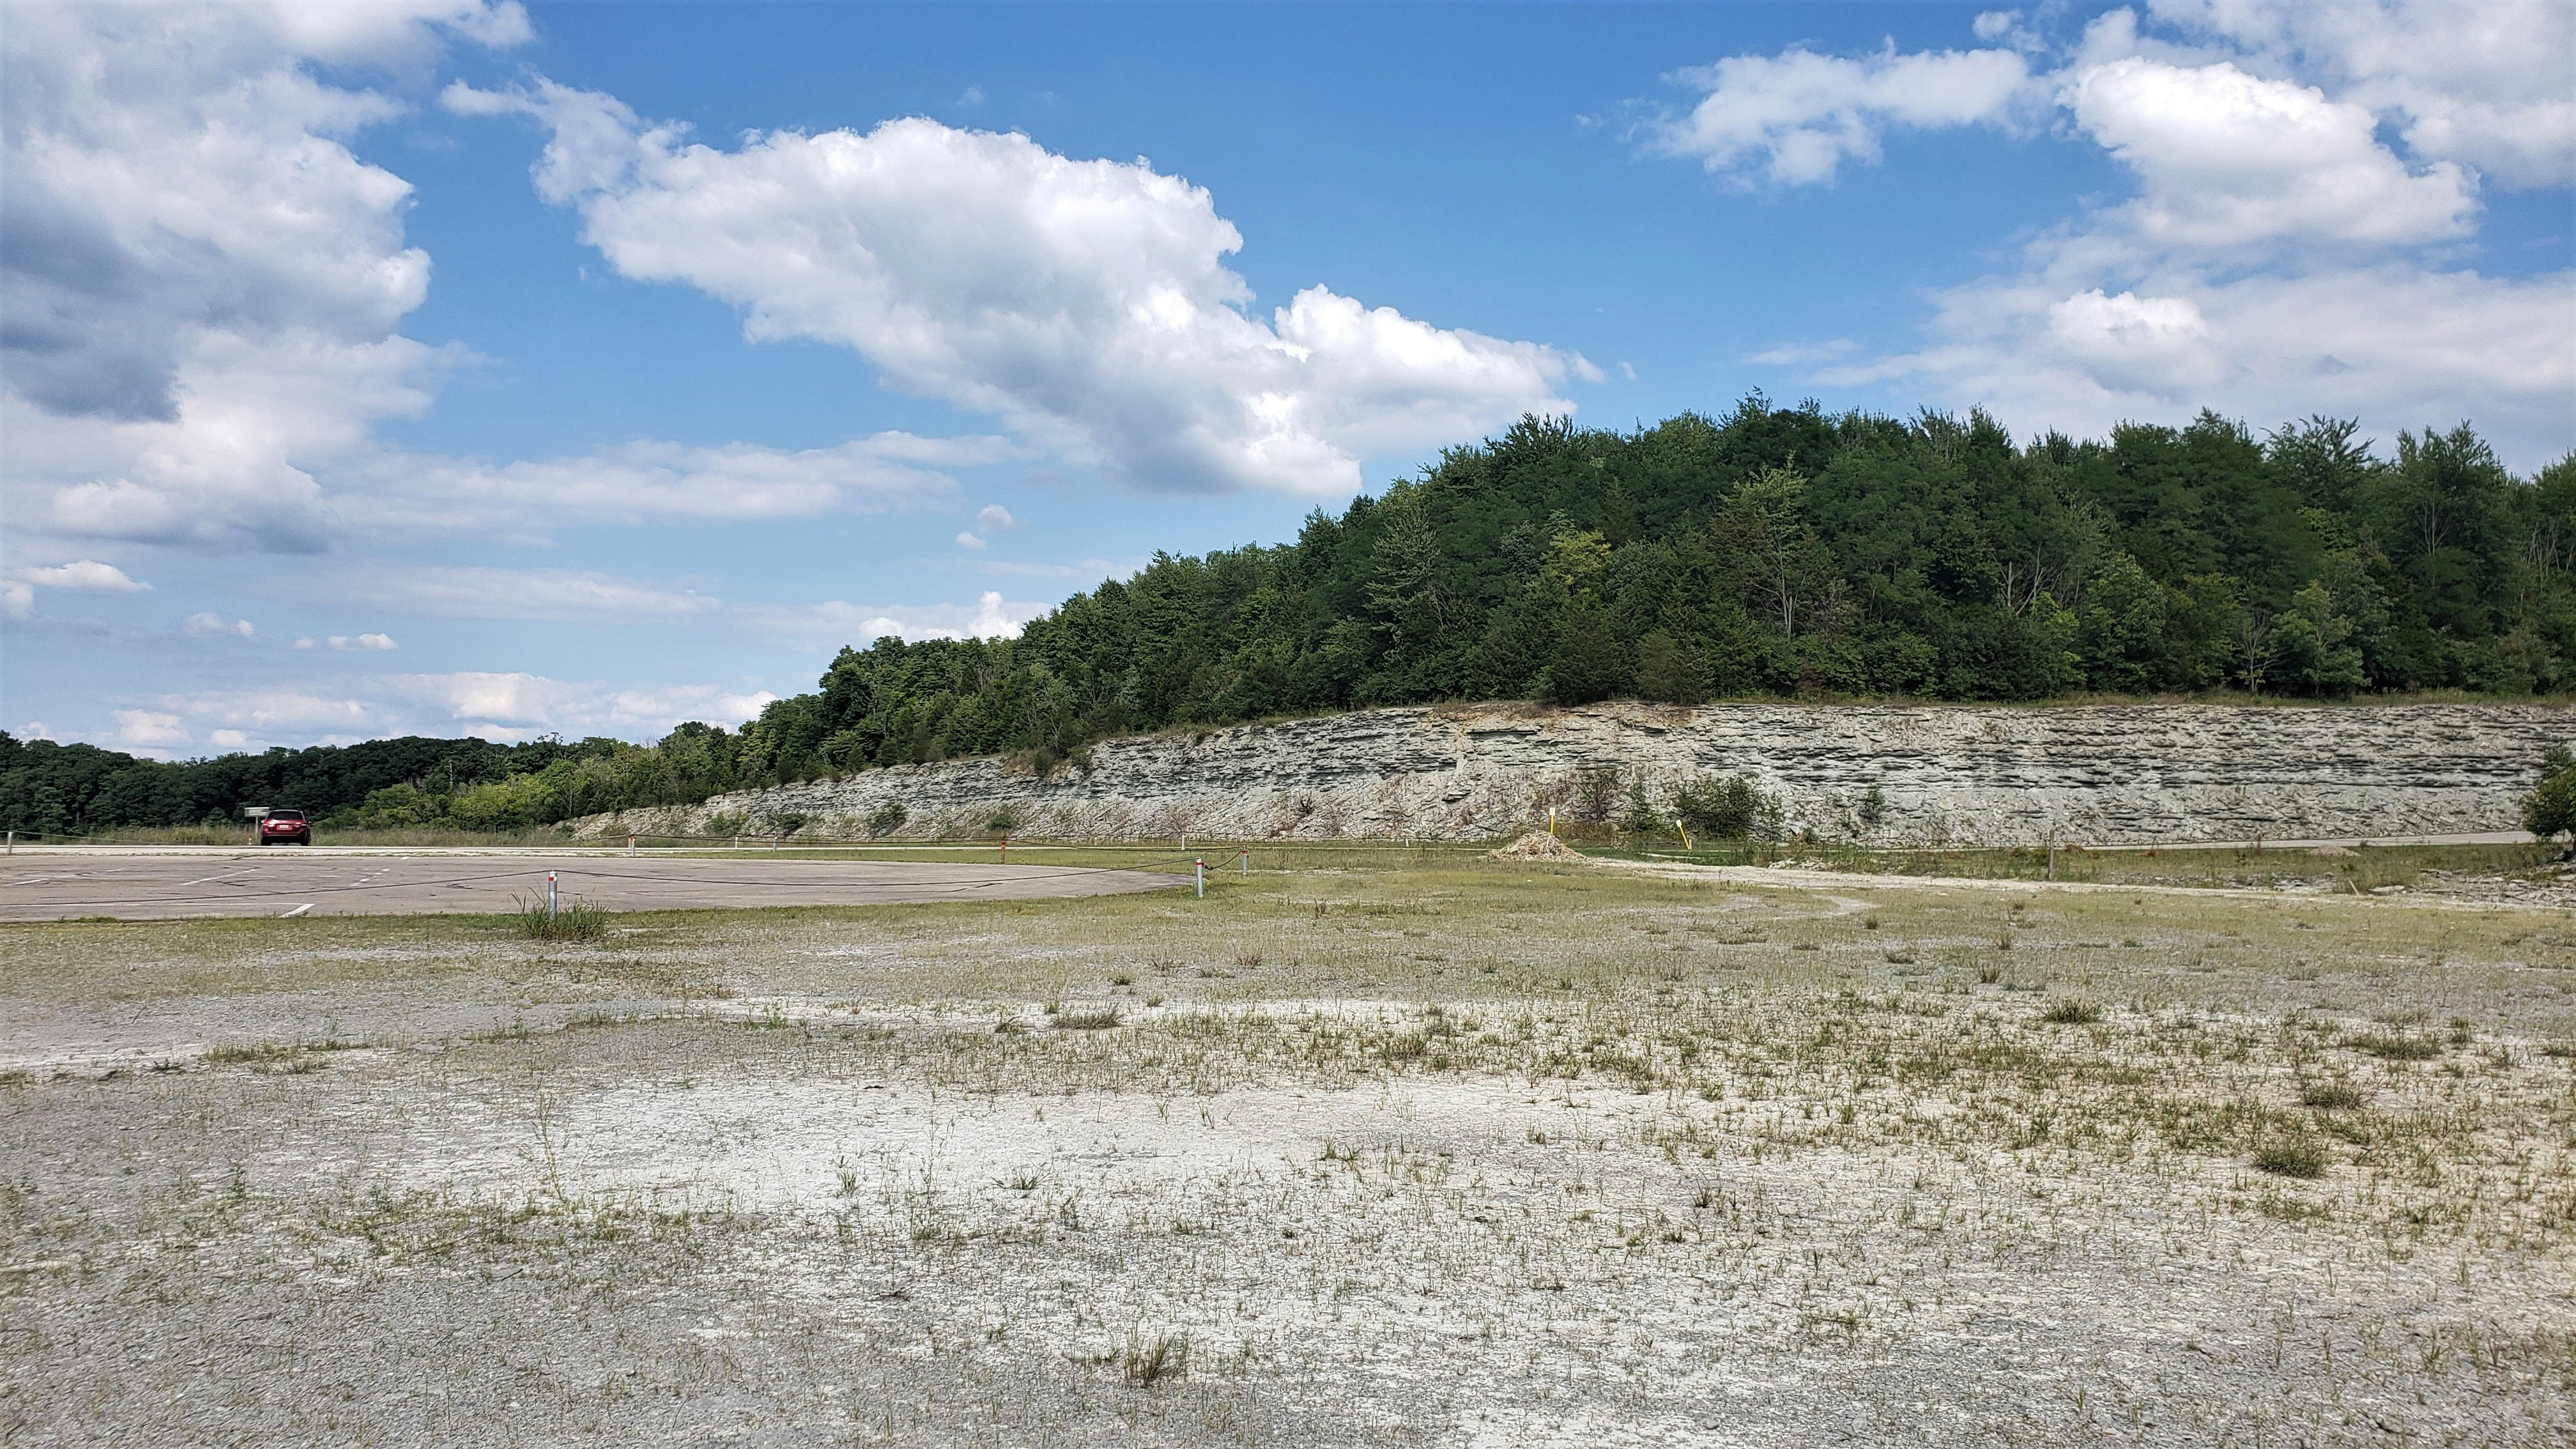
column 1944, row 775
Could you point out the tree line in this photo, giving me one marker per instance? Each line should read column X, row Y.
column 1772, row 552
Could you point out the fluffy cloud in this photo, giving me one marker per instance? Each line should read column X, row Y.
column 83, row 574
column 1086, row 303
column 202, row 281
column 2225, row 158
column 836, row 622
column 215, row 626
column 149, row 731
column 992, row 518
column 18, row 588
column 1794, row 118
column 2479, row 82
column 2277, row 256
column 2394, row 345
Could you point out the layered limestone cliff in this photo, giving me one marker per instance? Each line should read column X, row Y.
column 1944, row 775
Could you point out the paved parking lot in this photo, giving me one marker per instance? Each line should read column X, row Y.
column 321, row 883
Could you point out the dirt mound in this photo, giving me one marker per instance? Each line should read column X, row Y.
column 2330, row 850
column 1537, row 845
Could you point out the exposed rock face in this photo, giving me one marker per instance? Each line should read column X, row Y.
column 1946, row 775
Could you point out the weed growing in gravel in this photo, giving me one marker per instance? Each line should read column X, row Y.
column 2291, row 1159
column 571, row 921
column 2395, row 1048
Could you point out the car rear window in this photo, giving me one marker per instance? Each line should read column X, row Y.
column 286, row 815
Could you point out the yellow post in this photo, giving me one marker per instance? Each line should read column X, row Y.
column 1684, row 829
column 1551, row 822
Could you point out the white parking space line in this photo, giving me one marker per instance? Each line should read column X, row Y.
column 299, row 910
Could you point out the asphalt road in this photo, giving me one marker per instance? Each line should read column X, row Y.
column 301, row 883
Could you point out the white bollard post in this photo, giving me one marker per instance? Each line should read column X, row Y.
column 13, row 842
column 1202, row 865
column 550, row 895
column 630, row 845
column 1247, row 862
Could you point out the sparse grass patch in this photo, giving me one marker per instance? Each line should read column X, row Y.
column 1086, row 1018
column 2072, row 1011
column 572, row 920
column 1144, row 1362
column 248, row 1053
column 2390, row 1047
column 2296, row 1158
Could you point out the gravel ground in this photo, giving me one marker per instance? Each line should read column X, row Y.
column 1489, row 1155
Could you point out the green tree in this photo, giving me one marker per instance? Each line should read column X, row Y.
column 2549, row 811
column 2313, row 652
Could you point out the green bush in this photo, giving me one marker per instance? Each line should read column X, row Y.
column 1596, row 793
column 2549, row 811
column 1727, row 809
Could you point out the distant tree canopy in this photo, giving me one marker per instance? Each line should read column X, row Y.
column 1777, row 551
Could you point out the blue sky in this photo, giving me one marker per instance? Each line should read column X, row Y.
column 446, row 367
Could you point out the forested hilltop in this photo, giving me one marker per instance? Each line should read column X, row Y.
column 1774, row 552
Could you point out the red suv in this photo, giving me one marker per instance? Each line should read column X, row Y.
column 285, row 827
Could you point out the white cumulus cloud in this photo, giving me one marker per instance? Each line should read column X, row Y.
column 2225, row 158
column 2394, row 345
column 837, row 622
column 1794, row 118
column 2278, row 254
column 215, row 626
column 202, row 281
column 2484, row 83
column 1086, row 303
column 83, row 574
column 149, row 731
